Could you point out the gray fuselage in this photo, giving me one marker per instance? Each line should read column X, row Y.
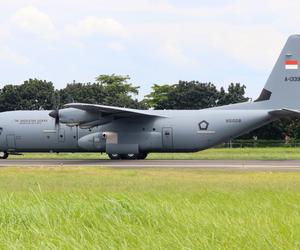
column 179, row 131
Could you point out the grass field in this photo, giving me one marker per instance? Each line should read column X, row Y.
column 98, row 208
column 276, row 153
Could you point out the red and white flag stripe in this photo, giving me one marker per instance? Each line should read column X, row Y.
column 291, row 64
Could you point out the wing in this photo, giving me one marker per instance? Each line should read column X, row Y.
column 91, row 115
column 116, row 112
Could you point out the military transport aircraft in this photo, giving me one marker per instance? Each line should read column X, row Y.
column 131, row 134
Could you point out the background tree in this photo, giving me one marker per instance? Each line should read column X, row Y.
column 277, row 130
column 118, row 92
column 184, row 95
column 159, row 98
column 111, row 90
column 194, row 95
column 31, row 95
column 82, row 92
column 36, row 94
column 235, row 94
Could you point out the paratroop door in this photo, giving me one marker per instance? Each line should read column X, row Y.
column 167, row 138
column 61, row 135
column 11, row 142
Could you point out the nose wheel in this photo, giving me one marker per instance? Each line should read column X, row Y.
column 140, row 156
column 3, row 155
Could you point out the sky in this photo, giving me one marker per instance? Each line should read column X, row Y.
column 152, row 41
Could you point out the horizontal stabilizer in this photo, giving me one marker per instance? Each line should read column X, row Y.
column 285, row 113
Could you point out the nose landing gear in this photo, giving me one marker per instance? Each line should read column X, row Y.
column 140, row 156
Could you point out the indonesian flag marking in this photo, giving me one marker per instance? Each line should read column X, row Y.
column 291, row 64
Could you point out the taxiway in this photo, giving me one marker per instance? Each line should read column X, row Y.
column 288, row 165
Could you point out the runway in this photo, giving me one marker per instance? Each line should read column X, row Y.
column 287, row 165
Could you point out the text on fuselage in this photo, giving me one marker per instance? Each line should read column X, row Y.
column 30, row 121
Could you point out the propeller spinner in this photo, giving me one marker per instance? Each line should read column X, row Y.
column 55, row 114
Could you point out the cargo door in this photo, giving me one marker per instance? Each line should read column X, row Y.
column 167, row 138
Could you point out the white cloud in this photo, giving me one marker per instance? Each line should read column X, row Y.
column 249, row 33
column 256, row 46
column 30, row 19
column 194, row 28
column 174, row 53
column 4, row 34
column 7, row 54
column 252, row 45
column 113, row 5
column 116, row 46
column 94, row 25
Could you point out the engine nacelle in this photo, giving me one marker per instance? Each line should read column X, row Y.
column 73, row 117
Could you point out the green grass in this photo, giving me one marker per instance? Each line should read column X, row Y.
column 276, row 153
column 98, row 208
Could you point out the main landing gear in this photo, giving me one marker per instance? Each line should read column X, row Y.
column 140, row 156
column 3, row 155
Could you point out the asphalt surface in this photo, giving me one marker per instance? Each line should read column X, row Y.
column 288, row 165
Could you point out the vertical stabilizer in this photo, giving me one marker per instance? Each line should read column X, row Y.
column 282, row 89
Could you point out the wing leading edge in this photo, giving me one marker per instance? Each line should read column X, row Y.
column 111, row 110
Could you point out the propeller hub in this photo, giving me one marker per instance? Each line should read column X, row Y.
column 54, row 114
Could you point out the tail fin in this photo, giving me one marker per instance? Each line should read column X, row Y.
column 282, row 89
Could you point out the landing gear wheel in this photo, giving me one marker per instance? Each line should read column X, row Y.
column 3, row 155
column 114, row 156
column 142, row 156
column 129, row 157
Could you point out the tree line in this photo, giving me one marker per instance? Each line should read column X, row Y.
column 117, row 90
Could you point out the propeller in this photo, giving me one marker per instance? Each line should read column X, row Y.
column 56, row 104
column 55, row 115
